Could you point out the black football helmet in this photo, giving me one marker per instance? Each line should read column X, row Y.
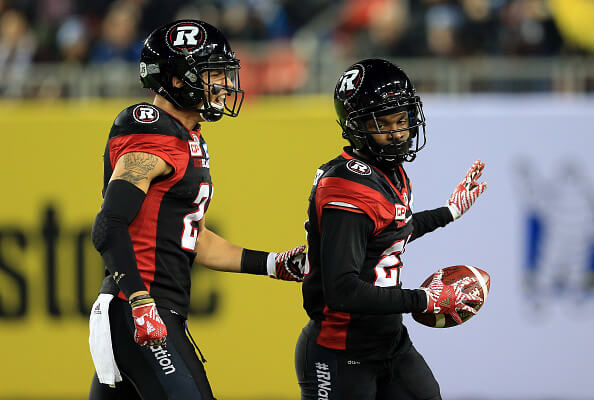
column 192, row 51
column 372, row 88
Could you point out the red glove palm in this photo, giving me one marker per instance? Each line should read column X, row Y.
column 287, row 266
column 467, row 190
column 449, row 299
column 150, row 329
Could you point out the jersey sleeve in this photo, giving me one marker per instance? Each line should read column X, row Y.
column 132, row 132
column 429, row 220
column 348, row 195
column 341, row 266
column 169, row 148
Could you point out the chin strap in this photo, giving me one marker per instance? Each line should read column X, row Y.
column 164, row 93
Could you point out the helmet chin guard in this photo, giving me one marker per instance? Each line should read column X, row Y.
column 211, row 114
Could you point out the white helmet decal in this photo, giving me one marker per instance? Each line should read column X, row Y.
column 185, row 35
column 350, row 80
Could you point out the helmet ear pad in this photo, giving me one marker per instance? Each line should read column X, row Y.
column 188, row 97
column 350, row 133
column 179, row 95
column 189, row 94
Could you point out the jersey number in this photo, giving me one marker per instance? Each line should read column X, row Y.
column 387, row 270
column 190, row 234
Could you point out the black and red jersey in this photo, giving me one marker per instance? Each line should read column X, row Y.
column 165, row 231
column 360, row 220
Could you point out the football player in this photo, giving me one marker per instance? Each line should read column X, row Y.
column 151, row 227
column 360, row 220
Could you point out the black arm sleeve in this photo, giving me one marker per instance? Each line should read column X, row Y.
column 429, row 220
column 110, row 234
column 343, row 246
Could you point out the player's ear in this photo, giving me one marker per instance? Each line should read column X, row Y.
column 177, row 82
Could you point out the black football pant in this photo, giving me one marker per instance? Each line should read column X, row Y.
column 334, row 375
column 173, row 372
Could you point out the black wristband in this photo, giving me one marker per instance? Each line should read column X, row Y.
column 254, row 262
column 140, row 297
column 136, row 300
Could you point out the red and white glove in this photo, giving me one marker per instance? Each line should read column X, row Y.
column 449, row 299
column 150, row 329
column 467, row 191
column 287, row 266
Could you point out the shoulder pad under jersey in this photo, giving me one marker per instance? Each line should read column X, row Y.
column 145, row 118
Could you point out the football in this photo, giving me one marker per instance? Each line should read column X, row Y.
column 450, row 276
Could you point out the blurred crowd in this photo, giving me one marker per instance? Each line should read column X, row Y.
column 450, row 28
column 103, row 30
column 80, row 32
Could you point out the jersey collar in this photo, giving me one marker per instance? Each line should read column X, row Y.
column 403, row 194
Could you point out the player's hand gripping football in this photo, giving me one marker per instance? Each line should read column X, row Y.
column 150, row 329
column 467, row 191
column 449, row 299
column 287, row 266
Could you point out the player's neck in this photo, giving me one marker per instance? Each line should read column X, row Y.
column 189, row 119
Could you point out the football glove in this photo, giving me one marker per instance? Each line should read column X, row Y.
column 449, row 299
column 287, row 266
column 150, row 329
column 467, row 191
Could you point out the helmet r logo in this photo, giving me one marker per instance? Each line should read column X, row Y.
column 186, row 35
column 350, row 81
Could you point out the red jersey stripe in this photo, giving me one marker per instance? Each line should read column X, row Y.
column 333, row 332
column 372, row 202
column 162, row 146
column 346, row 155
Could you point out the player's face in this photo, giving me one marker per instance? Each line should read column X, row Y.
column 388, row 124
column 219, row 81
